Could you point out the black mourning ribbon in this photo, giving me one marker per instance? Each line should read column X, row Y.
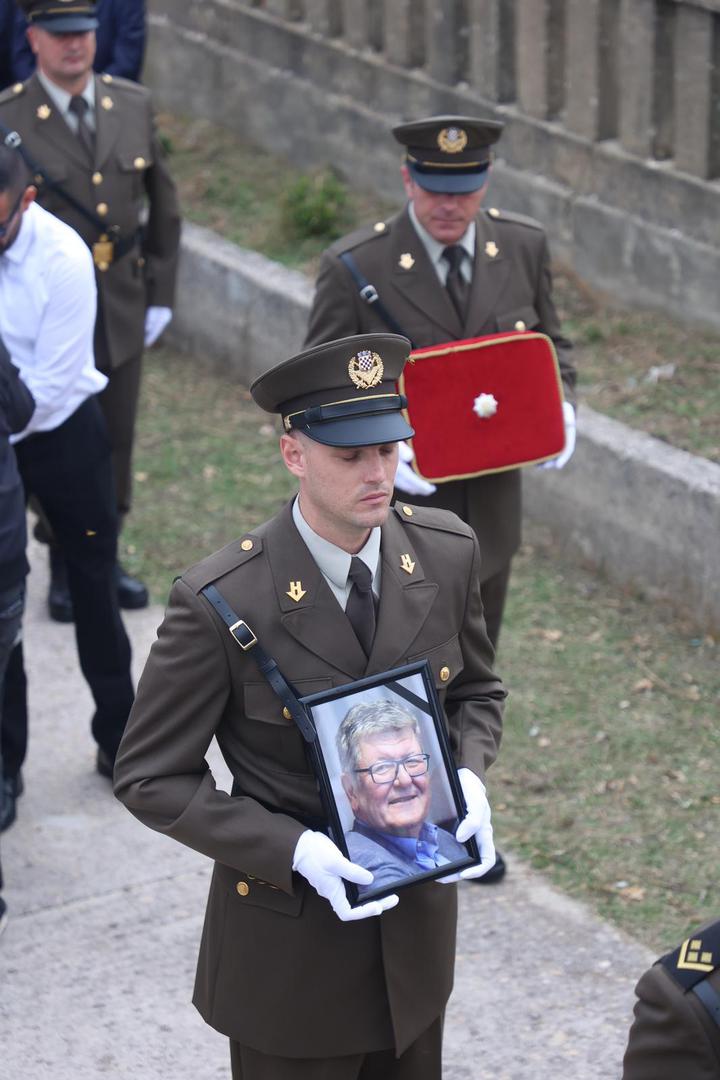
column 456, row 285
column 360, row 608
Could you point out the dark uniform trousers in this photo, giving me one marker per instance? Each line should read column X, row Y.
column 69, row 471
column 421, row 1061
column 119, row 402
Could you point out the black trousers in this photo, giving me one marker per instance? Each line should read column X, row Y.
column 69, row 471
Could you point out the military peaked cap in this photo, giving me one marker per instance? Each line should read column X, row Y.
column 61, row 16
column 342, row 393
column 448, row 153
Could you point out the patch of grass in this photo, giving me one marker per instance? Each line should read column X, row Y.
column 639, row 367
column 606, row 779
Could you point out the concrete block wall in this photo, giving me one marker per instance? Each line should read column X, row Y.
column 645, row 514
column 309, row 82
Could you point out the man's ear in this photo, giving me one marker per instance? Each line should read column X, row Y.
column 30, row 33
column 349, row 790
column 293, row 454
column 28, row 197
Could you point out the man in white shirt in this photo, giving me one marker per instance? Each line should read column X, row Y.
column 47, row 317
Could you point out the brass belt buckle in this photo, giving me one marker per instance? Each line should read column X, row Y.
column 102, row 251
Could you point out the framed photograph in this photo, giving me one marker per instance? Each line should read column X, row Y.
column 388, row 780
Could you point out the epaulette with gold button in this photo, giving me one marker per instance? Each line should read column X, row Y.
column 10, row 93
column 431, row 517
column 360, row 236
column 510, row 217
column 222, row 562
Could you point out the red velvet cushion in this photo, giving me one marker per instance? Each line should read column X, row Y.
column 519, row 369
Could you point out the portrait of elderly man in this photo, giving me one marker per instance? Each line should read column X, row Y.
column 387, row 777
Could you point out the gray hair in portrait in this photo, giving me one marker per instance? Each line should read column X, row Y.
column 371, row 718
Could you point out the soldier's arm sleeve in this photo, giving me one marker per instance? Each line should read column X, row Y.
column 161, row 243
column 335, row 311
column 550, row 323
column 666, row 1039
column 128, row 46
column 161, row 772
column 474, row 702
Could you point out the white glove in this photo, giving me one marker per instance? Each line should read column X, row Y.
column 325, row 866
column 562, row 459
column 156, row 319
column 405, row 479
column 475, row 823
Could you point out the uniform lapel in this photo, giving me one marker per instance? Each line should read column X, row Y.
column 107, row 122
column 49, row 124
column 406, row 597
column 490, row 271
column 309, row 610
column 418, row 283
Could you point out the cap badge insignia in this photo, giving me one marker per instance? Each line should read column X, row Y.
column 365, row 369
column 452, row 140
column 485, row 405
column 407, row 564
column 107, row 103
column 406, row 261
column 693, row 957
column 492, row 249
column 296, row 591
column 43, row 112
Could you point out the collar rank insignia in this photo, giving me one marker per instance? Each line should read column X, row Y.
column 452, row 140
column 492, row 249
column 43, row 112
column 406, row 563
column 406, row 261
column 365, row 369
column 296, row 591
column 107, row 103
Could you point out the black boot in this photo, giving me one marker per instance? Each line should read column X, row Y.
column 12, row 789
column 132, row 594
column 59, row 601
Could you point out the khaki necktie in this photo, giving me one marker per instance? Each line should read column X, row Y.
column 360, row 608
column 79, row 106
column 456, row 285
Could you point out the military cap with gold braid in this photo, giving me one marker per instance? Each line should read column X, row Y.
column 342, row 393
column 448, row 153
column 61, row 16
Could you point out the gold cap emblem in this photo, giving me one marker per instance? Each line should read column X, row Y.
column 452, row 140
column 107, row 103
column 406, row 261
column 43, row 112
column 491, row 249
column 365, row 369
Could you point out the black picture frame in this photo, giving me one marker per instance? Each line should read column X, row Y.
column 374, row 843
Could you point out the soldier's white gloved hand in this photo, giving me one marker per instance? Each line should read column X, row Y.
column 562, row 459
column 156, row 319
column 475, row 823
column 405, row 479
column 323, row 864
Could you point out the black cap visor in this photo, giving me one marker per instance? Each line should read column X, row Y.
column 66, row 24
column 456, row 182
column 359, row 430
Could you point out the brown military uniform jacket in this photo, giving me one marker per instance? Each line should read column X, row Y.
column 278, row 971
column 676, row 1031
column 511, row 289
column 127, row 170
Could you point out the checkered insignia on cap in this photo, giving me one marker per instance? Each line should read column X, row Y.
column 365, row 369
column 452, row 140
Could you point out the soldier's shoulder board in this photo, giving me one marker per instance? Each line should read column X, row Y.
column 364, row 235
column 12, row 93
column 511, row 218
column 222, row 562
column 696, row 958
column 115, row 82
column 431, row 517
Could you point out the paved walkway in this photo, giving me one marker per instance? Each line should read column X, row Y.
column 97, row 962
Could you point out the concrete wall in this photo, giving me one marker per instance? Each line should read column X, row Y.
column 612, row 111
column 645, row 514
